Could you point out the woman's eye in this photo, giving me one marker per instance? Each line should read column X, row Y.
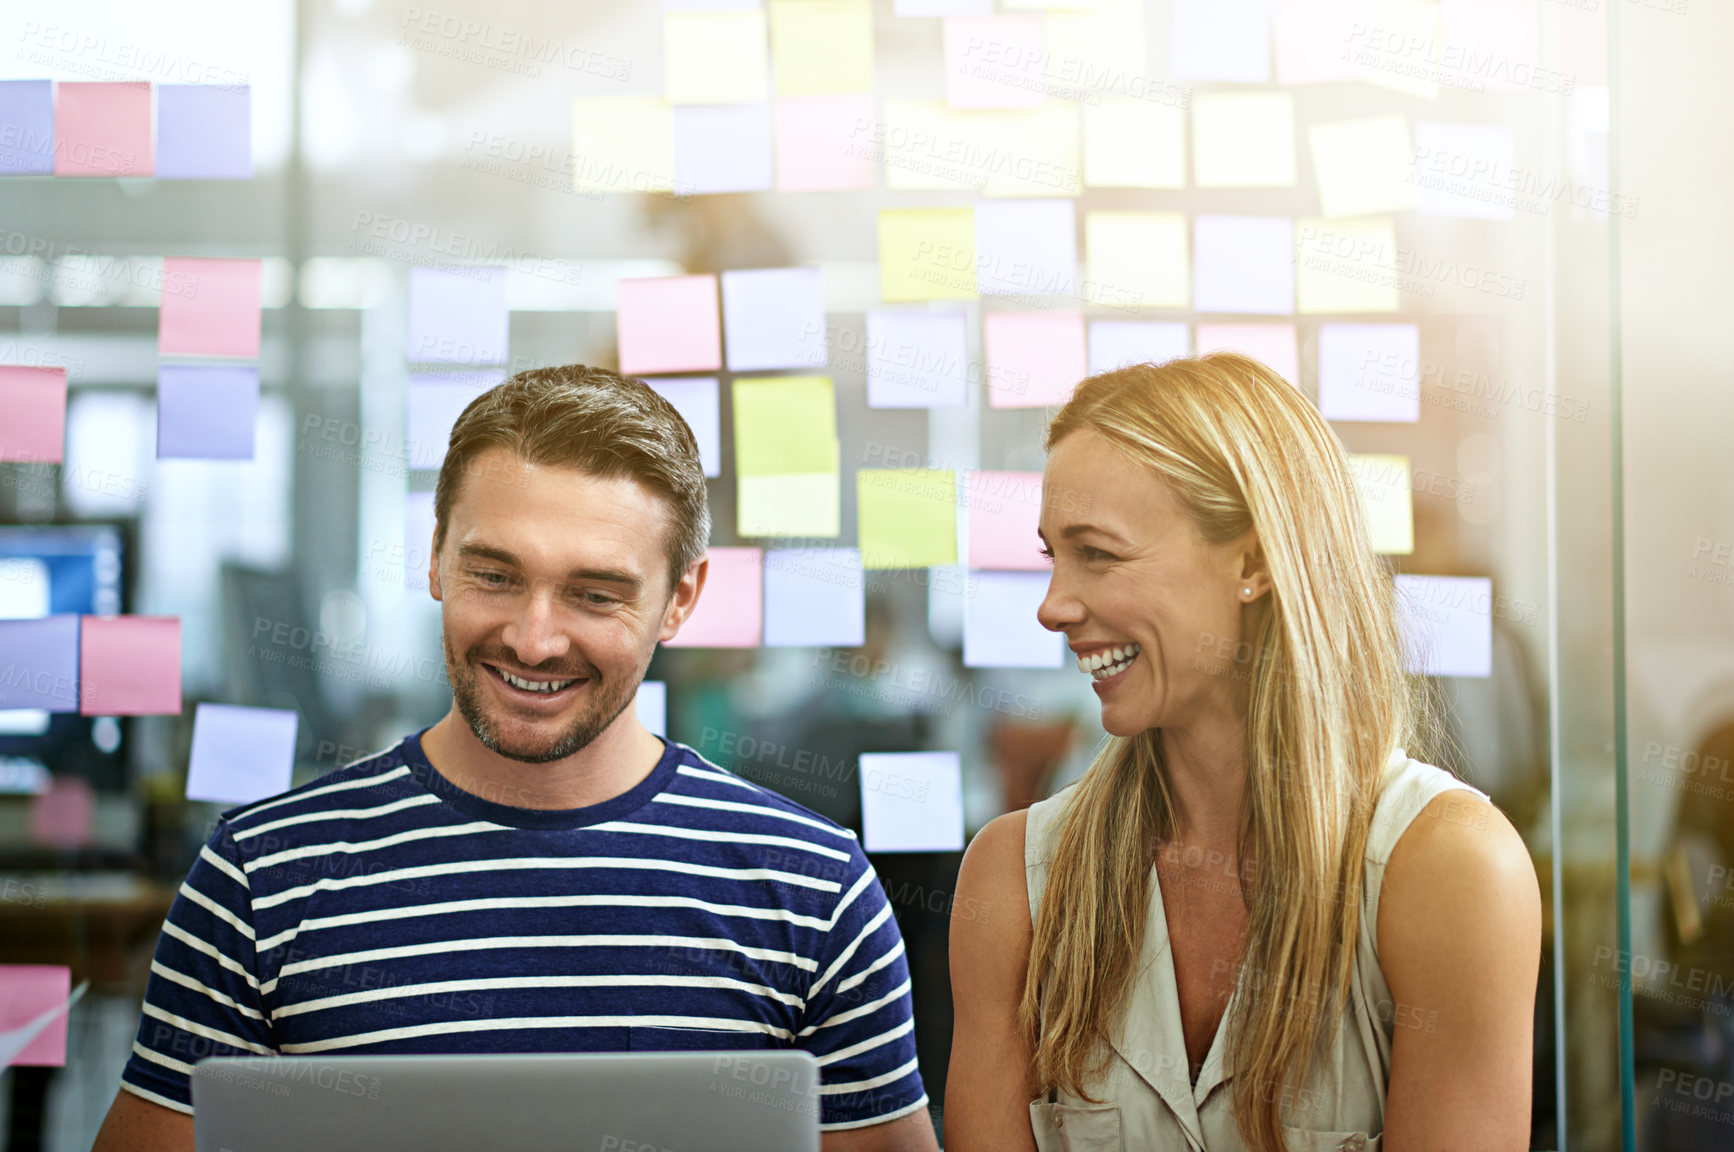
column 1094, row 554
column 1046, row 551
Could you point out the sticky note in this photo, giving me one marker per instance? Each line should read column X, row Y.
column 1313, row 37
column 815, row 597
column 993, row 62
column 457, row 315
column 730, row 605
column 1370, row 372
column 210, row 307
column 622, row 144
column 820, row 143
column 1026, row 248
column 26, row 127
column 34, row 999
column 207, row 411
column 240, row 754
column 1034, row 152
column 651, row 706
column 1243, row 264
column 695, row 398
column 1465, row 170
column 432, row 406
column 911, row 802
column 1117, row 343
column 129, row 665
column 1507, row 31
column 418, row 533
column 708, row 5
column 941, row 7
column 925, row 145
column 669, row 324
column 1222, row 40
column 792, row 504
column 917, row 359
column 1447, row 624
column 773, row 318
column 906, row 517
column 32, row 414
column 1273, row 345
column 1002, row 510
column 40, row 660
column 1034, row 359
column 1347, row 265
column 714, row 57
column 1382, row 46
column 1386, row 501
column 927, row 254
column 1132, row 143
column 1000, row 628
column 62, row 816
column 204, row 132
column 1093, row 46
column 1243, row 140
column 25, row 594
column 1137, row 259
column 822, row 46
column 722, row 148
column 1364, row 166
column 102, row 129
column 787, row 457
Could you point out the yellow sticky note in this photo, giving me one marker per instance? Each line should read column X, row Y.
column 822, row 46
column 784, row 425
column 1387, row 500
column 906, row 517
column 1138, row 259
column 714, row 57
column 927, row 254
column 1034, row 152
column 927, row 146
column 1243, row 140
column 1364, row 166
column 793, row 504
column 1346, row 265
column 1090, row 50
column 622, row 144
column 1132, row 143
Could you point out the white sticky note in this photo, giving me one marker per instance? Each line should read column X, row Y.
column 722, row 148
column 1000, row 629
column 1387, row 502
column 1026, row 248
column 1395, row 45
column 1347, row 265
column 911, row 802
column 815, row 597
column 715, row 57
column 1465, row 170
column 1243, row 264
column 1033, row 152
column 1370, row 372
column 1222, row 40
column 622, row 144
column 1093, row 45
column 433, row 405
column 993, row 62
column 650, row 705
column 917, row 359
column 696, row 399
column 1133, row 143
column 1243, row 140
column 1447, row 623
column 1117, row 343
column 1364, row 166
column 1313, row 37
column 1273, row 345
column 926, row 146
column 942, row 8
column 240, row 754
column 773, row 318
column 1137, row 259
column 1499, row 42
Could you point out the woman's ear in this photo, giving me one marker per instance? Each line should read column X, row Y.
column 1254, row 576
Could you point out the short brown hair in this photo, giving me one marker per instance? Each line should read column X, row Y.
column 600, row 422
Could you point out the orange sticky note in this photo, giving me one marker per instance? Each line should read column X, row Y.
column 32, row 413
column 209, row 308
column 730, row 609
column 669, row 324
column 129, row 666
column 103, row 129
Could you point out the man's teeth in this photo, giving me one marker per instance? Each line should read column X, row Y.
column 1109, row 661
column 532, row 685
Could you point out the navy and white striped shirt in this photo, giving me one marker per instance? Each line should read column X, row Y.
column 380, row 909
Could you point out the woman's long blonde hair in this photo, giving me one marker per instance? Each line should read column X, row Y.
column 1329, row 701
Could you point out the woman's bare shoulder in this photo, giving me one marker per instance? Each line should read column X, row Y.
column 991, row 888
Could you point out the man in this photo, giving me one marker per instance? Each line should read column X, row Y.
column 537, row 872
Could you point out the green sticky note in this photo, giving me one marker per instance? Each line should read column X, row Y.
column 927, row 254
column 785, row 424
column 790, row 504
column 907, row 517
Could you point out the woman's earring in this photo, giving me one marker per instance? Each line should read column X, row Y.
column 1247, row 592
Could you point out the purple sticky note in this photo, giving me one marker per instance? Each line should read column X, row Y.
column 722, row 148
column 457, row 315
column 39, row 663
column 695, row 398
column 730, row 606
column 26, row 127
column 210, row 307
column 207, row 411
column 32, row 414
column 130, row 666
column 240, row 754
column 669, row 324
column 61, row 817
column 773, row 318
column 204, row 132
column 103, row 129
column 433, row 405
column 27, row 993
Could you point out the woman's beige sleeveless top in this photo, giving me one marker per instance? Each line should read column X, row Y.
column 1149, row 1100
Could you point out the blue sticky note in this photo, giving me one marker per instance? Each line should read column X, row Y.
column 207, row 411
column 240, row 754
column 39, row 663
column 204, row 132
column 773, row 318
column 1117, row 343
column 457, row 315
column 814, row 597
column 26, row 127
column 722, row 148
column 1000, row 629
column 651, row 706
column 433, row 405
column 695, row 398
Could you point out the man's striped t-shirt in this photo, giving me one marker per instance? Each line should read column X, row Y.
column 382, row 910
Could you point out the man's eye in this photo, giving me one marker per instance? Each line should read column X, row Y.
column 493, row 579
column 598, row 598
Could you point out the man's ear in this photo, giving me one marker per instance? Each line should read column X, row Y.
column 684, row 598
column 433, row 570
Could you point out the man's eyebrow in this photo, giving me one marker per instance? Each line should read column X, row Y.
column 501, row 556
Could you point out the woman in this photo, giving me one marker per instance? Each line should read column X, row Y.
column 1255, row 923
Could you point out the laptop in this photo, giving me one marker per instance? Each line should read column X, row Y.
column 725, row 1101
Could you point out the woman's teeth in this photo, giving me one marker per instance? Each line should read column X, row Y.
column 533, row 685
column 1109, row 661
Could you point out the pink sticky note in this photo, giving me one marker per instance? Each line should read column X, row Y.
column 129, row 666
column 62, row 815
column 32, row 413
column 730, row 607
column 26, row 992
column 994, row 62
column 1034, row 359
column 1003, row 509
column 825, row 143
column 669, row 324
column 210, row 307
column 102, row 129
column 1271, row 344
